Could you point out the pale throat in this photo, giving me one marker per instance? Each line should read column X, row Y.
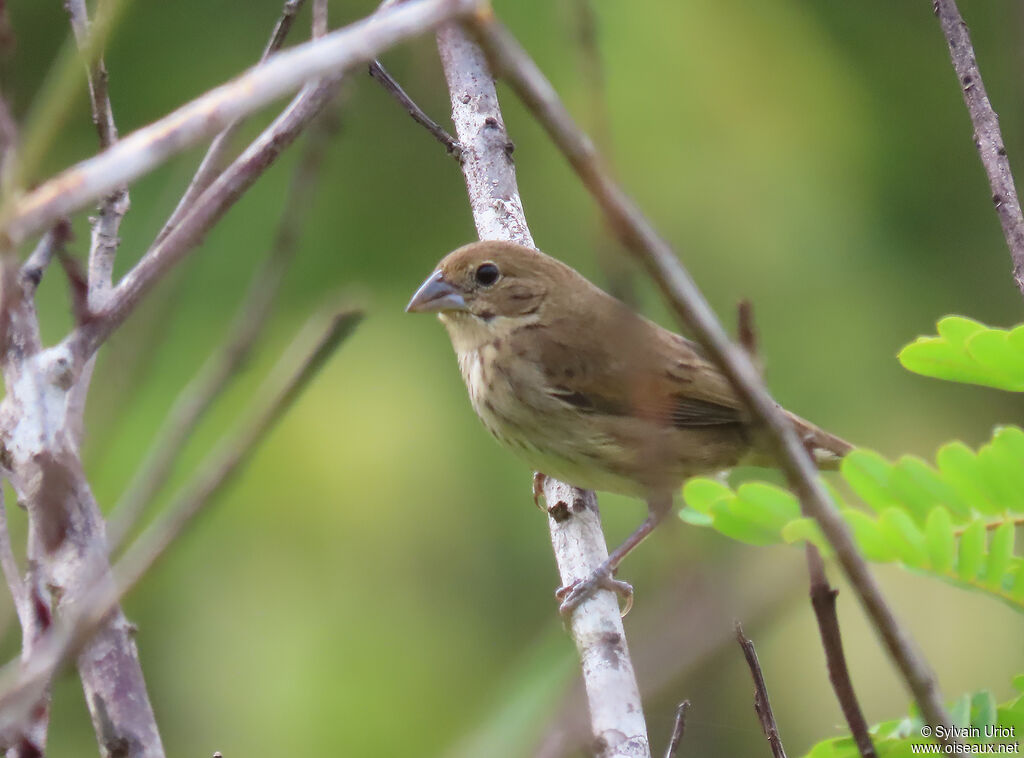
column 470, row 334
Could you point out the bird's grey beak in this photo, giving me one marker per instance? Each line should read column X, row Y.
column 436, row 295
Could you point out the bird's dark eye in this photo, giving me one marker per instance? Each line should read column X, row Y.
column 487, row 274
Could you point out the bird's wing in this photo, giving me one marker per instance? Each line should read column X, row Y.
column 628, row 366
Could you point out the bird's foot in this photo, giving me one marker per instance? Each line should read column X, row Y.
column 538, row 488
column 571, row 596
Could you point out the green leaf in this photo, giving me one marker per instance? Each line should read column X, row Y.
column 959, row 467
column 941, row 540
column 701, row 494
column 956, row 330
column 905, row 537
column 1000, row 550
column 870, row 538
column 983, row 710
column 967, row 351
column 770, row 506
column 972, row 548
column 695, row 517
column 868, row 474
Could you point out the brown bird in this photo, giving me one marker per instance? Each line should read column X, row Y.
column 587, row 391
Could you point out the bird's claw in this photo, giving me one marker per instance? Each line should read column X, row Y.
column 538, row 488
column 572, row 595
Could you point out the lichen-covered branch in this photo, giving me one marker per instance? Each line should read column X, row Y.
column 617, row 718
column 20, row 687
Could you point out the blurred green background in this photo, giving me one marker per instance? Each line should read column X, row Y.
column 378, row 582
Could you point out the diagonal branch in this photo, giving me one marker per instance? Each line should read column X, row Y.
column 617, row 719
column 212, row 162
column 987, row 136
column 380, row 74
column 205, row 212
column 690, row 306
column 823, row 600
column 284, row 72
column 20, row 687
column 227, row 360
column 762, row 705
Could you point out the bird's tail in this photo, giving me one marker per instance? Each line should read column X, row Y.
column 826, row 449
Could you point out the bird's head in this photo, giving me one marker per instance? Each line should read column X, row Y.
column 486, row 288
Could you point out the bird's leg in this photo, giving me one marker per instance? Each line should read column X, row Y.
column 538, row 488
column 604, row 576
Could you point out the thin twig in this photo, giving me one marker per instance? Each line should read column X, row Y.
column 380, row 74
column 20, row 687
column 211, row 164
column 227, row 360
column 823, row 600
column 202, row 214
column 762, row 705
column 115, row 205
column 284, row 72
column 987, row 136
column 617, row 271
column 692, row 308
column 677, row 730
column 35, row 265
column 617, row 719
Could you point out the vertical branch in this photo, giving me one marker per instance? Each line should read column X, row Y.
column 617, row 719
column 987, row 136
column 105, row 241
column 32, row 601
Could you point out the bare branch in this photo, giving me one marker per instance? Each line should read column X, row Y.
column 987, row 136
column 320, row 24
column 823, row 600
column 677, row 730
column 689, row 304
column 282, row 27
column 212, row 162
column 8, row 126
column 617, row 718
column 762, row 705
column 380, row 74
column 617, row 272
column 146, row 148
column 20, row 688
column 210, row 207
column 226, row 361
column 9, row 564
column 35, row 265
